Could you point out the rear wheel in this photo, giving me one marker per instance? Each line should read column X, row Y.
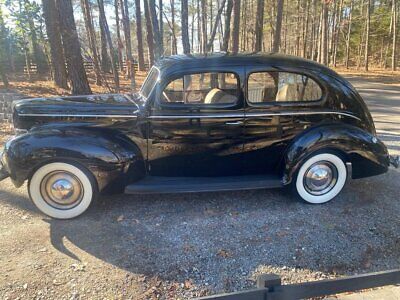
column 321, row 178
column 62, row 190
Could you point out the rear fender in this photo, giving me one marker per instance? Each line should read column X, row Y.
column 110, row 156
column 367, row 154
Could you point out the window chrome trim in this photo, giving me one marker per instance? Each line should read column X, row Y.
column 236, row 115
column 154, row 86
column 297, row 113
column 78, row 115
column 180, row 105
column 291, row 70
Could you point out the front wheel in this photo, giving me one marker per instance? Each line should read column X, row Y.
column 62, row 190
column 321, row 178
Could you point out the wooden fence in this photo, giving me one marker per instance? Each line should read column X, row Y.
column 88, row 65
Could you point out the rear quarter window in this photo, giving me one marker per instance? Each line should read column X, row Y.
column 267, row 87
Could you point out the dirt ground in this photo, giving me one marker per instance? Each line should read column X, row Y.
column 190, row 245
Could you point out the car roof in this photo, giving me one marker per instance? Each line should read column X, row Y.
column 226, row 59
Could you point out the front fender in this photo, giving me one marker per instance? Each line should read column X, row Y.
column 108, row 155
column 368, row 155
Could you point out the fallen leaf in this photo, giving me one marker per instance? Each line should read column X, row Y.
column 282, row 233
column 78, row 267
column 188, row 284
column 223, row 253
column 57, row 283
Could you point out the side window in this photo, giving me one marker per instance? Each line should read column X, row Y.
column 203, row 88
column 282, row 87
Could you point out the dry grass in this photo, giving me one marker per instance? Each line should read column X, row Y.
column 378, row 74
column 41, row 86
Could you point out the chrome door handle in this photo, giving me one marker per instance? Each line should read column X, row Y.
column 234, row 123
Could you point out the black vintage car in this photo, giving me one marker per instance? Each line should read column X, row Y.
column 199, row 123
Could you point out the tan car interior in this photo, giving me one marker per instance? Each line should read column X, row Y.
column 202, row 93
column 217, row 96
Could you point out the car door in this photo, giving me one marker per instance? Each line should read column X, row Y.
column 196, row 125
column 279, row 106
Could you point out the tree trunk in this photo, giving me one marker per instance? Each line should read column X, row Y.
column 394, row 39
column 215, row 26
column 259, row 29
column 360, row 45
column 161, row 23
column 199, row 27
column 278, row 26
column 203, row 26
column 185, row 25
column 227, row 26
column 192, row 29
column 130, row 67
column 314, row 31
column 320, row 36
column 4, row 77
column 72, row 49
column 87, row 13
column 52, row 19
column 36, row 50
column 243, row 26
column 331, row 37
column 158, row 45
column 305, row 32
column 285, row 30
column 337, row 31
column 3, row 51
column 236, row 26
column 324, row 34
column 110, row 44
column 139, row 36
column 105, row 58
column 366, row 53
column 149, row 32
column 349, row 35
column 297, row 30
column 25, row 44
column 118, row 31
column 174, row 46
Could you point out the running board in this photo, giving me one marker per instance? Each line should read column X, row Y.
column 161, row 185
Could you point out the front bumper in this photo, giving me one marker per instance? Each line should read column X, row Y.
column 394, row 161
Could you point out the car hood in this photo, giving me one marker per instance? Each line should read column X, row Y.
column 93, row 110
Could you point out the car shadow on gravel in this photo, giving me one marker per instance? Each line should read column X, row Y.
column 222, row 239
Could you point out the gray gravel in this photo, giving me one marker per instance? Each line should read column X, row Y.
column 181, row 246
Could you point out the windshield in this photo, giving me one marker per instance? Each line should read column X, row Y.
column 150, row 82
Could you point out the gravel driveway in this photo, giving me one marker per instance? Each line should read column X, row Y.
column 182, row 246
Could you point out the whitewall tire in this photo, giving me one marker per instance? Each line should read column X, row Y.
column 61, row 190
column 321, row 178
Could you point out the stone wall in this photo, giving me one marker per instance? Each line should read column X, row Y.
column 6, row 100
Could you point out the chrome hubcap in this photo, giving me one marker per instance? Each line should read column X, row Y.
column 320, row 178
column 61, row 190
